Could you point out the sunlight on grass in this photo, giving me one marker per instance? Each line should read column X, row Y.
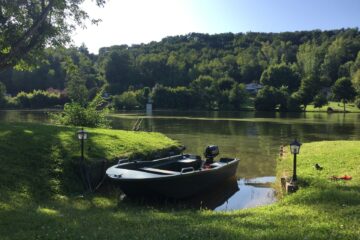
column 28, row 131
column 48, row 211
column 336, row 106
column 102, row 202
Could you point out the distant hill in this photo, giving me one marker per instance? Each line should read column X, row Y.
column 297, row 60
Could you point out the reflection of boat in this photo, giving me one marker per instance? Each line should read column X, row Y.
column 259, row 182
column 177, row 176
column 259, row 185
column 215, row 196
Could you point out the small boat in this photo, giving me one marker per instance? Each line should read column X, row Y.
column 178, row 176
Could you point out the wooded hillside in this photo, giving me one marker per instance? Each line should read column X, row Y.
column 208, row 71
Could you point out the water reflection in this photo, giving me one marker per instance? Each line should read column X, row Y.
column 227, row 196
column 252, row 193
column 23, row 116
column 236, row 194
column 215, row 197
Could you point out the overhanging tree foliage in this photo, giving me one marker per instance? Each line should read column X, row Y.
column 28, row 26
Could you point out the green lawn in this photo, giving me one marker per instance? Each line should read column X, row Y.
column 35, row 202
column 336, row 106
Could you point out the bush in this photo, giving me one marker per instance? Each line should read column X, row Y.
column 294, row 102
column 126, row 100
column 23, row 100
column 39, row 99
column 266, row 99
column 237, row 95
column 91, row 115
column 175, row 98
column 320, row 100
column 11, row 103
column 76, row 115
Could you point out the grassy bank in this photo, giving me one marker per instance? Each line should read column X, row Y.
column 336, row 106
column 34, row 204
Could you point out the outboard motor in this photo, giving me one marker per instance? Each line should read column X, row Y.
column 211, row 152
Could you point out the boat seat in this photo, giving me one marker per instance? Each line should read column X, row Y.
column 189, row 162
column 157, row 170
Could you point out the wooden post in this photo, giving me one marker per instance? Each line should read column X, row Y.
column 291, row 187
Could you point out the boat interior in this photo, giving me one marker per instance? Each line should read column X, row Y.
column 173, row 165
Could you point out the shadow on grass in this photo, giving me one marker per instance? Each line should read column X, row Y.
column 38, row 161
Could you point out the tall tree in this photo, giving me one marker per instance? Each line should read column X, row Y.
column 268, row 98
column 307, row 91
column 238, row 96
column 309, row 58
column 343, row 90
column 118, row 72
column 76, row 84
column 28, row 26
column 281, row 75
column 204, row 87
column 341, row 50
column 356, row 81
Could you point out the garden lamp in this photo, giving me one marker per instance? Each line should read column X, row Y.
column 82, row 135
column 295, row 149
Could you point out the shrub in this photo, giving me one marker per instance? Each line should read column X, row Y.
column 179, row 97
column 237, row 95
column 11, row 103
column 293, row 104
column 76, row 115
column 23, row 99
column 126, row 100
column 320, row 100
column 39, row 99
column 91, row 115
column 266, row 99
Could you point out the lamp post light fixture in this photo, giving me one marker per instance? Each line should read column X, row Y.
column 82, row 135
column 295, row 149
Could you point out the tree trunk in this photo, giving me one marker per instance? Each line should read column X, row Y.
column 344, row 107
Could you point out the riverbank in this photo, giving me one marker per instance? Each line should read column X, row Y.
column 37, row 203
column 336, row 107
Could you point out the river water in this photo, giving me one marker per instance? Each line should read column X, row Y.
column 252, row 137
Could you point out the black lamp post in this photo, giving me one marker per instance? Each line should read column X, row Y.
column 295, row 149
column 82, row 135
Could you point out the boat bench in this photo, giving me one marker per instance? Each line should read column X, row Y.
column 157, row 170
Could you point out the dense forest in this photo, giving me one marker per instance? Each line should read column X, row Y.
column 197, row 71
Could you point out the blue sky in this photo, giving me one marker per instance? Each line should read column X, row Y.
column 141, row 21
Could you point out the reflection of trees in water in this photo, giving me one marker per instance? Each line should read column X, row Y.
column 23, row 116
column 122, row 123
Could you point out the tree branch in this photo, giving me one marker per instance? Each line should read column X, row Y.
column 21, row 46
